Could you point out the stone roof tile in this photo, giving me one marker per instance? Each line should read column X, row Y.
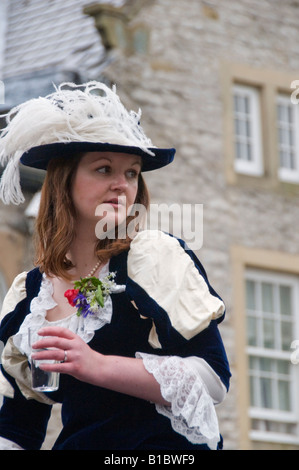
column 51, row 33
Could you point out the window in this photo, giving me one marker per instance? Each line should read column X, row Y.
column 272, row 303
column 247, row 130
column 288, row 141
column 261, row 146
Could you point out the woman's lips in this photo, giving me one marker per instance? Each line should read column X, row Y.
column 114, row 202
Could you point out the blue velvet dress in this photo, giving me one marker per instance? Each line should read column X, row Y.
column 95, row 418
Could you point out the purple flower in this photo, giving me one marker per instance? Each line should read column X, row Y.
column 82, row 305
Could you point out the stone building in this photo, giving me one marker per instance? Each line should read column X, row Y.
column 217, row 80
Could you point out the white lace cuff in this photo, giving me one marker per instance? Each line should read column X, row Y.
column 6, row 444
column 192, row 412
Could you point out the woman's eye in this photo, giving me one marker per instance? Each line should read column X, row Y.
column 103, row 169
column 132, row 174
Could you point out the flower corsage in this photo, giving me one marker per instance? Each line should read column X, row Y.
column 89, row 294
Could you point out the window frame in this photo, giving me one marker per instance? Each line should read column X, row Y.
column 264, row 414
column 270, row 83
column 243, row 258
column 254, row 167
column 286, row 174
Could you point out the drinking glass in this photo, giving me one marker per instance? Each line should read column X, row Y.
column 42, row 380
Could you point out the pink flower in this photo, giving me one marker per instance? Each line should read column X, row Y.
column 71, row 295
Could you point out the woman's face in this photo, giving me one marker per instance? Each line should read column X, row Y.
column 108, row 182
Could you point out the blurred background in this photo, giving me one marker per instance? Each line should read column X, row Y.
column 215, row 80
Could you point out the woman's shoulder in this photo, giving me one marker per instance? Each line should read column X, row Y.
column 15, row 294
column 161, row 251
column 165, row 281
column 155, row 243
column 18, row 291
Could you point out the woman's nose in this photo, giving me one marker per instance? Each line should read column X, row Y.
column 119, row 183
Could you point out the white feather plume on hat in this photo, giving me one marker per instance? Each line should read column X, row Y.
column 91, row 112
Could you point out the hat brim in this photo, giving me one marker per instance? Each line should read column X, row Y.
column 39, row 157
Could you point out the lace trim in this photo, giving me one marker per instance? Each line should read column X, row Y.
column 83, row 327
column 192, row 412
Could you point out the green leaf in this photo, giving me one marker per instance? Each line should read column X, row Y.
column 99, row 296
column 95, row 281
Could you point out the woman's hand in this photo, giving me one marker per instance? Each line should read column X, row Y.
column 73, row 355
column 121, row 374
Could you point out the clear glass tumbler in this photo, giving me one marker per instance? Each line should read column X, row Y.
column 42, row 381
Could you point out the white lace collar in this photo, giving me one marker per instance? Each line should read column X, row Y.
column 85, row 327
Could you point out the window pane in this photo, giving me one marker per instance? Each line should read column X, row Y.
column 285, row 300
column 286, row 335
column 282, row 113
column 287, row 159
column 247, row 105
column 269, row 334
column 242, row 127
column 270, row 383
column 242, row 151
column 284, row 158
column 283, row 136
column 290, row 117
column 253, row 396
column 267, row 297
column 283, row 367
column 250, row 295
column 249, row 153
column 252, row 331
column 266, row 393
column 284, row 396
column 291, row 137
column 266, row 364
column 293, row 163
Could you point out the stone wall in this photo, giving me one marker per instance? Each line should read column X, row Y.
column 178, row 85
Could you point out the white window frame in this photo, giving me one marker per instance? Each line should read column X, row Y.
column 254, row 167
column 287, row 174
column 272, row 415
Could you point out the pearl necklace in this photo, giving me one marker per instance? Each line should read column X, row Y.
column 93, row 271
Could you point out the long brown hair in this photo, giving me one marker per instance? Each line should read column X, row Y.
column 55, row 223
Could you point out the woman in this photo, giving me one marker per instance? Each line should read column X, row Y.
column 144, row 368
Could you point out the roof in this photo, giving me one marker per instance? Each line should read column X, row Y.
column 51, row 33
